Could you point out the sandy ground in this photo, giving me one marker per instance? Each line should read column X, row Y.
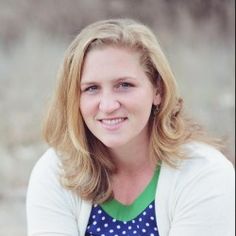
column 12, row 214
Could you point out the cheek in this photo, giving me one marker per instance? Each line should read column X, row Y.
column 139, row 109
column 141, row 101
column 143, row 111
column 87, row 107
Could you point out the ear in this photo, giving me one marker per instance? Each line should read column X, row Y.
column 157, row 98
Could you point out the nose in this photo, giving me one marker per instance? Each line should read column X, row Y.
column 108, row 103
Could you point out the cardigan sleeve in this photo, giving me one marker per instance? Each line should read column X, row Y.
column 50, row 208
column 204, row 204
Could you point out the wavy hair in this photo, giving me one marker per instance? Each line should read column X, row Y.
column 86, row 167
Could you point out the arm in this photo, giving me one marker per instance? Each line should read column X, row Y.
column 205, row 205
column 50, row 208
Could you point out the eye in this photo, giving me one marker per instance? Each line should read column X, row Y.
column 91, row 89
column 124, row 85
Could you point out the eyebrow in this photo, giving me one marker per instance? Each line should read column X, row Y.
column 120, row 79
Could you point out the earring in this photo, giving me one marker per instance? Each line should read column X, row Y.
column 155, row 110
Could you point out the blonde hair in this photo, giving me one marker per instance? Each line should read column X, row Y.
column 85, row 163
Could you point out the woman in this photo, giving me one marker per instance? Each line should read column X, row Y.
column 124, row 160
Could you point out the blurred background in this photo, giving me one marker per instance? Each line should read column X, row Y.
column 197, row 37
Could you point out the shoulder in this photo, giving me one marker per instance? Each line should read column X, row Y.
column 204, row 167
column 45, row 186
column 48, row 199
column 49, row 164
column 199, row 189
column 46, row 174
column 47, row 169
column 203, row 157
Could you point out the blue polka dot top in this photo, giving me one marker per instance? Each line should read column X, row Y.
column 113, row 218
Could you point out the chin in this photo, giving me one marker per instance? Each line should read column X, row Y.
column 113, row 143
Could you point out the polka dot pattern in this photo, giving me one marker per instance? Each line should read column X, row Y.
column 102, row 224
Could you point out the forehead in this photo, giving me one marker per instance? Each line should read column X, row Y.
column 111, row 61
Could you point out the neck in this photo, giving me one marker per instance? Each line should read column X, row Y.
column 132, row 158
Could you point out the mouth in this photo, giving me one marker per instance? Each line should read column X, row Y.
column 112, row 123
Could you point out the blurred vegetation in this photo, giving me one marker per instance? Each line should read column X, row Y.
column 197, row 36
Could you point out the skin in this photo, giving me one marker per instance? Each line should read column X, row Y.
column 116, row 102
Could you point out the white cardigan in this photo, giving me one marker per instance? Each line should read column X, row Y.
column 197, row 199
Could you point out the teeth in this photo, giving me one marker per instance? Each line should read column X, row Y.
column 112, row 121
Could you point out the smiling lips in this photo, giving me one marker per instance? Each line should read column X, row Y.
column 112, row 123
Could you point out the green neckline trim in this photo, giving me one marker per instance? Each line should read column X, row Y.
column 123, row 212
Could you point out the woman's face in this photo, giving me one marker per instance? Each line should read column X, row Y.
column 116, row 96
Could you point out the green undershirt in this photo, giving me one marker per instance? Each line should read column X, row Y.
column 123, row 212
